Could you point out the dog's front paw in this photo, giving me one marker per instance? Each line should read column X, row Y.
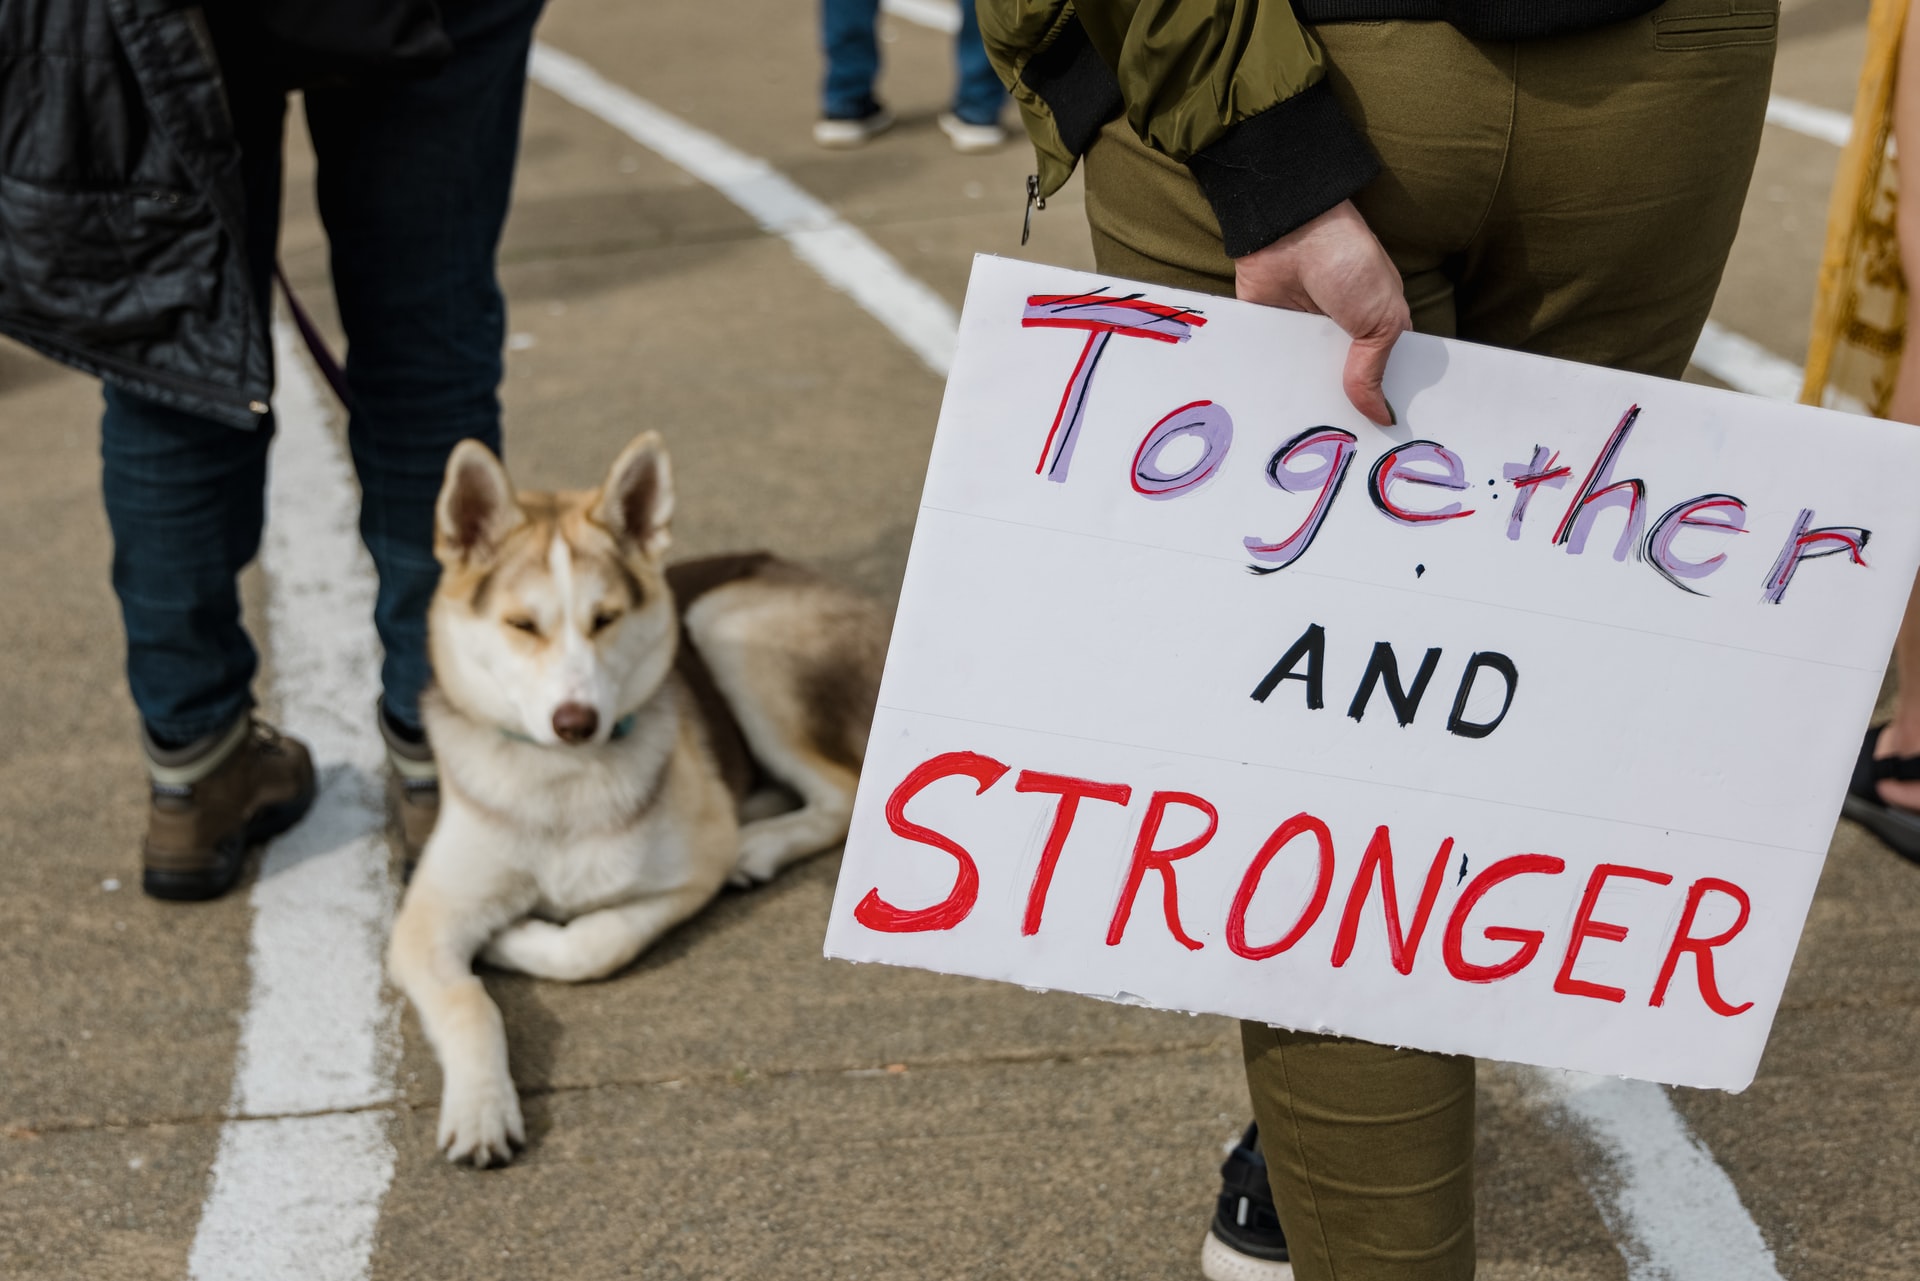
column 762, row 855
column 480, row 1121
column 749, row 873
column 529, row 946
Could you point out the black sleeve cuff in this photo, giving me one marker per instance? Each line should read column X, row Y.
column 1076, row 85
column 1272, row 172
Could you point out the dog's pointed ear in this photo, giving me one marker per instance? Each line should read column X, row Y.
column 477, row 508
column 636, row 499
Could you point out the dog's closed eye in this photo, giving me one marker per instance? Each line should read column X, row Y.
column 522, row 624
column 603, row 619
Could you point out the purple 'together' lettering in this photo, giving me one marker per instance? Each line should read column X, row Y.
column 1805, row 544
column 1204, row 420
column 1600, row 491
column 1543, row 471
column 1402, row 463
column 1100, row 315
column 1719, row 513
column 1057, row 458
column 1317, row 461
column 1329, row 451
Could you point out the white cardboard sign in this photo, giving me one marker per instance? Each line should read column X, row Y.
column 1518, row 730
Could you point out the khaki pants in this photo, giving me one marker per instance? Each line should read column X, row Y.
column 1574, row 197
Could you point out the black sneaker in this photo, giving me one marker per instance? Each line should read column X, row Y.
column 1245, row 1242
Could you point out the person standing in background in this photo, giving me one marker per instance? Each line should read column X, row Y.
column 850, row 114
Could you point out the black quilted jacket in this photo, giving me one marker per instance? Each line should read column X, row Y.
column 120, row 204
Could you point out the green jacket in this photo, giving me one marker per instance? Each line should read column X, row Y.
column 1234, row 89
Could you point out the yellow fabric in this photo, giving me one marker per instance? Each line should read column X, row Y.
column 1859, row 313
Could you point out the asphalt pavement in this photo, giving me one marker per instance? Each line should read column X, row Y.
column 733, row 1105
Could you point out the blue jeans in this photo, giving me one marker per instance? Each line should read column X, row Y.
column 853, row 61
column 414, row 180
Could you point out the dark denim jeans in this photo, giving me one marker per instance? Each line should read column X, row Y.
column 414, row 179
column 853, row 62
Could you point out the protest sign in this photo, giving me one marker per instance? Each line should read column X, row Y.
column 1518, row 729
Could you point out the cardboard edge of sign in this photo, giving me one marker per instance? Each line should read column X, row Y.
column 1735, row 1083
column 838, row 947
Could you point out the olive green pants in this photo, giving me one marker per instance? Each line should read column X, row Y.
column 1574, row 197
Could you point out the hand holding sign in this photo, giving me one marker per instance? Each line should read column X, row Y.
column 1517, row 731
column 1336, row 267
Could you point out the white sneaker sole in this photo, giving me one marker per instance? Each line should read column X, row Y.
column 1221, row 1262
column 842, row 135
column 969, row 139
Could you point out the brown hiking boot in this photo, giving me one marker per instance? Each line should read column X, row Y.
column 413, row 789
column 214, row 798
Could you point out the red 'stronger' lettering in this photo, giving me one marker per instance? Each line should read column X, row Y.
column 1379, row 856
column 1585, row 927
column 1071, row 792
column 1161, row 861
column 1529, row 940
column 1702, row 949
column 875, row 912
column 1298, row 825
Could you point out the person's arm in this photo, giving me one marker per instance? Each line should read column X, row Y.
column 1236, row 89
column 1336, row 266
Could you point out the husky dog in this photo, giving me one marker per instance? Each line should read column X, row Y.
column 600, row 722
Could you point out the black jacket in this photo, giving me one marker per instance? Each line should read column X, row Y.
column 121, row 212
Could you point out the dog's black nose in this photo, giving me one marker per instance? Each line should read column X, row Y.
column 575, row 722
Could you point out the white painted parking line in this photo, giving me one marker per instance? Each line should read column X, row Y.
column 937, row 14
column 1744, row 365
column 1738, row 362
column 1823, row 123
column 914, row 313
column 819, row 237
column 305, row 1160
column 1673, row 1212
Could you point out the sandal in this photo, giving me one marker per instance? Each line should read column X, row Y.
column 1897, row 826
